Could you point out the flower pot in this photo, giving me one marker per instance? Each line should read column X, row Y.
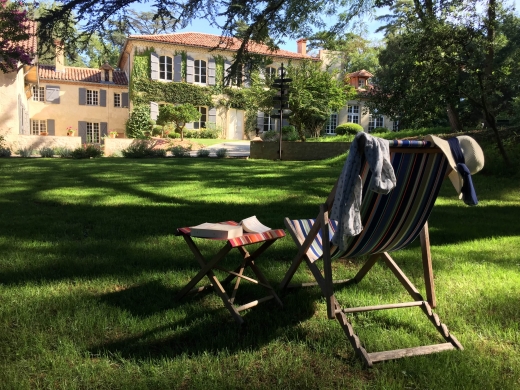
column 70, row 134
column 113, row 135
column 43, row 133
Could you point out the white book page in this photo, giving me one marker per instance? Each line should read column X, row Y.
column 253, row 225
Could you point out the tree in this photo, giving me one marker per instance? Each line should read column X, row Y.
column 139, row 122
column 178, row 115
column 14, row 30
column 314, row 94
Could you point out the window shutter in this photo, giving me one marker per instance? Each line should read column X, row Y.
column 103, row 97
column 50, row 127
column 247, row 75
column 177, row 68
column 227, row 65
column 103, row 128
column 212, row 115
column 82, row 131
column 211, row 71
column 52, row 94
column 189, row 69
column 154, row 66
column 285, row 122
column 82, row 96
column 124, row 99
column 260, row 120
column 154, row 110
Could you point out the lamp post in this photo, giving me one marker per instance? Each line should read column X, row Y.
column 281, row 101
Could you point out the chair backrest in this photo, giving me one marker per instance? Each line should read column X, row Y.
column 392, row 221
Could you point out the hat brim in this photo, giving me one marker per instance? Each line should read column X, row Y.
column 454, row 175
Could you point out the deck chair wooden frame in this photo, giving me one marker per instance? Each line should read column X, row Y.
column 326, row 283
column 248, row 261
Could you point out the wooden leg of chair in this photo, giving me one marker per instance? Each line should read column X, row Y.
column 427, row 266
column 327, row 266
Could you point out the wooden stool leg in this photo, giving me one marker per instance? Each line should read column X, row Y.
column 427, row 266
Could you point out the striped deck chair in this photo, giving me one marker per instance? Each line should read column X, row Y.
column 390, row 222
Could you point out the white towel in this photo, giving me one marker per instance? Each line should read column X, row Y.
column 347, row 202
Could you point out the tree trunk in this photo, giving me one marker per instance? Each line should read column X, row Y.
column 491, row 122
column 453, row 117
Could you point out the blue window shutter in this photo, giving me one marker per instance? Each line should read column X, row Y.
column 82, row 96
column 82, row 131
column 189, row 69
column 211, row 71
column 177, row 68
column 52, row 94
column 103, row 97
column 124, row 99
column 260, row 120
column 103, row 128
column 154, row 66
column 50, row 127
column 212, row 115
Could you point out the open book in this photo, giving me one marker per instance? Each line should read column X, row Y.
column 225, row 231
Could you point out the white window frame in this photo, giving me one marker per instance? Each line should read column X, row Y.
column 201, row 123
column 93, row 132
column 332, row 123
column 270, row 72
column 395, row 125
column 117, row 100
column 269, row 124
column 37, row 126
column 200, row 71
column 165, row 68
column 353, row 114
column 92, row 97
column 38, row 94
column 374, row 121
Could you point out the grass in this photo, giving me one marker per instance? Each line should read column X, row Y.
column 209, row 142
column 89, row 267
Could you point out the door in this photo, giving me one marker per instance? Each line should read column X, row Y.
column 236, row 124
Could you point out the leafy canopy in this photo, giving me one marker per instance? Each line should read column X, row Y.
column 179, row 115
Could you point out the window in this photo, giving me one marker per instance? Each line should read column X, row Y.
column 200, row 71
column 92, row 97
column 353, row 114
column 107, row 75
column 165, row 68
column 201, row 123
column 237, row 78
column 375, row 121
column 269, row 123
column 38, row 94
column 395, row 126
column 38, row 126
column 117, row 100
column 93, row 133
column 361, row 83
column 332, row 123
column 270, row 72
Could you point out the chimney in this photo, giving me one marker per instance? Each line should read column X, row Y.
column 60, row 56
column 302, row 46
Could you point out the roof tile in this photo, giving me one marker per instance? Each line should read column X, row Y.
column 88, row 75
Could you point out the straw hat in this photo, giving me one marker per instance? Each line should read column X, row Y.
column 473, row 156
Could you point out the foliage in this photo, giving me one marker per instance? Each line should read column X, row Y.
column 13, row 33
column 64, row 152
column 203, row 152
column 222, row 152
column 313, row 95
column 178, row 115
column 25, row 152
column 203, row 133
column 46, row 152
column 139, row 122
column 181, row 151
column 142, row 148
column 289, row 133
column 87, row 151
column 348, row 128
column 5, row 152
column 271, row 135
column 174, row 135
column 380, row 130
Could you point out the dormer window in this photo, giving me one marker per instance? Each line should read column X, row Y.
column 107, row 75
column 361, row 83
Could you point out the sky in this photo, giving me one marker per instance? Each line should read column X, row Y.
column 371, row 25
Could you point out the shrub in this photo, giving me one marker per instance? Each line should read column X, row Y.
column 221, row 153
column 5, row 152
column 180, row 151
column 158, row 153
column 141, row 149
column 348, row 128
column 79, row 153
column 174, row 135
column 270, row 135
column 210, row 133
column 63, row 152
column 139, row 122
column 289, row 133
column 25, row 152
column 46, row 152
column 203, row 153
column 380, row 130
column 87, row 151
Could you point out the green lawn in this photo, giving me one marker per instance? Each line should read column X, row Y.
column 89, row 266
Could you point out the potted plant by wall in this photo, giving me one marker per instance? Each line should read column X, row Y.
column 113, row 134
column 70, row 131
column 44, row 132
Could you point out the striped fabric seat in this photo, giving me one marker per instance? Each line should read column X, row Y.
column 390, row 222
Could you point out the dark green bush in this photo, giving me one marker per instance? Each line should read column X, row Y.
column 348, row 128
column 380, row 130
column 289, row 133
column 180, row 151
column 141, row 149
column 270, row 135
column 87, row 151
column 46, row 152
column 5, row 152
